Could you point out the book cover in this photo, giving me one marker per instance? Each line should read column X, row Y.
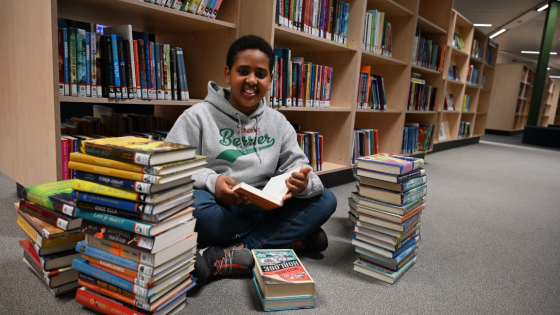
column 282, row 304
column 43, row 242
column 59, row 220
column 43, row 228
column 137, row 150
column 54, row 196
column 393, row 197
column 392, row 164
column 399, row 187
column 379, row 272
column 357, row 199
column 280, row 273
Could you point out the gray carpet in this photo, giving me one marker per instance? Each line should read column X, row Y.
column 490, row 246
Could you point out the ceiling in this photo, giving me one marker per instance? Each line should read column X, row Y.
column 524, row 28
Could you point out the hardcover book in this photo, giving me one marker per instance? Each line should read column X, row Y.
column 59, row 220
column 357, row 199
column 392, row 178
column 398, row 187
column 392, row 164
column 271, row 196
column 393, row 197
column 137, row 150
column 280, row 273
column 54, row 196
column 381, row 273
column 282, row 304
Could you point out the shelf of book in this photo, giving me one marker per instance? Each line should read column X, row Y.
column 210, row 38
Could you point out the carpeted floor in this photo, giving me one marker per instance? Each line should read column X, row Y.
column 489, row 246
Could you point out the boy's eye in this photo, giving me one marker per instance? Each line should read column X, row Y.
column 261, row 75
column 243, row 72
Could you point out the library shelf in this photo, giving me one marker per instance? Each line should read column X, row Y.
column 424, row 70
column 312, row 109
column 429, row 27
column 379, row 111
column 104, row 100
column 289, row 38
column 372, row 58
column 455, row 82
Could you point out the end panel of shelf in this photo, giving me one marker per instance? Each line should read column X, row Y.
column 389, row 125
column 335, row 127
column 261, row 24
column 30, row 117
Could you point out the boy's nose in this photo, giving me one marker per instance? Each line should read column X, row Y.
column 251, row 78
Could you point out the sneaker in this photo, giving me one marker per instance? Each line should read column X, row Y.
column 315, row 242
column 218, row 261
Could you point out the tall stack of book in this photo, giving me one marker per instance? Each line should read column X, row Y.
column 281, row 281
column 386, row 210
column 46, row 215
column 135, row 196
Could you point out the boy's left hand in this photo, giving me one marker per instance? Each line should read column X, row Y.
column 297, row 182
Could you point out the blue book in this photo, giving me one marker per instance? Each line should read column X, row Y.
column 88, row 64
column 381, row 273
column 83, row 248
column 393, row 197
column 281, row 304
column 82, row 265
column 382, row 251
column 81, row 64
column 393, row 261
column 184, row 76
column 387, row 264
column 116, row 66
column 130, row 225
column 111, row 202
column 66, row 68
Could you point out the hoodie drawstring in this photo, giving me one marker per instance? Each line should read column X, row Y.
column 257, row 137
column 240, row 133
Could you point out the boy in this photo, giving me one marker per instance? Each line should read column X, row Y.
column 246, row 141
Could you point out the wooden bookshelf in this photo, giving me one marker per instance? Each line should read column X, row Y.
column 31, row 118
column 479, row 103
column 511, row 98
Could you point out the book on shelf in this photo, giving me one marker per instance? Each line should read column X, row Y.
column 381, row 273
column 427, row 53
column 283, row 303
column 364, row 142
column 54, row 277
column 311, row 144
column 421, row 97
column 449, row 103
column 477, row 49
column 371, row 90
column 270, row 197
column 280, row 273
column 391, row 164
column 137, row 150
column 459, row 41
column 377, row 36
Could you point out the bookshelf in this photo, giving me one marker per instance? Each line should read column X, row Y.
column 511, row 98
column 198, row 36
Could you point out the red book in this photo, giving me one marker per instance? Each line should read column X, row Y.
column 376, row 141
column 137, row 70
column 54, row 218
column 104, row 304
column 60, row 61
column 65, row 157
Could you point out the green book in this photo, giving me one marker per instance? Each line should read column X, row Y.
column 55, row 196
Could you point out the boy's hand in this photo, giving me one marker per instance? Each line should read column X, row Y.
column 297, row 182
column 224, row 193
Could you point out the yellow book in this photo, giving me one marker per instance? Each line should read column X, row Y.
column 95, row 188
column 91, row 159
column 43, row 242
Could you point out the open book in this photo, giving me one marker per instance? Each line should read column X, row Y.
column 271, row 196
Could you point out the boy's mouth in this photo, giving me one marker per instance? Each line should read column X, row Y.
column 250, row 92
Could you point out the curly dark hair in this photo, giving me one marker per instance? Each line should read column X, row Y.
column 250, row 42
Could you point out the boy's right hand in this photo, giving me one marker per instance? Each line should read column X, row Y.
column 224, row 193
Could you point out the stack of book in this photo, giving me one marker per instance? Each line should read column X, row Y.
column 46, row 215
column 134, row 196
column 281, row 281
column 386, row 209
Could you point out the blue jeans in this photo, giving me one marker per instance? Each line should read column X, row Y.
column 223, row 225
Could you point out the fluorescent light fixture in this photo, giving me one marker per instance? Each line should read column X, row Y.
column 483, row 25
column 498, row 33
column 554, row 76
column 544, row 7
column 536, row 52
column 547, row 68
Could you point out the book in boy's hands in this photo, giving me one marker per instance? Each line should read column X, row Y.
column 137, row 150
column 391, row 164
column 271, row 196
column 280, row 273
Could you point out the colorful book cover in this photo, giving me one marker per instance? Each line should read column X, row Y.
column 392, row 164
column 382, row 273
column 282, row 304
column 281, row 266
column 54, row 218
column 55, row 196
column 73, row 72
column 81, row 57
column 134, row 150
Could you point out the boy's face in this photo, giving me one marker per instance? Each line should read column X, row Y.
column 249, row 79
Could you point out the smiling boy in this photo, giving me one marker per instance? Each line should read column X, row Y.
column 247, row 141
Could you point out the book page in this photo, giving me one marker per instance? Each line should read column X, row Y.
column 276, row 186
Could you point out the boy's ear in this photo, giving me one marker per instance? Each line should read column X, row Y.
column 227, row 75
column 270, row 82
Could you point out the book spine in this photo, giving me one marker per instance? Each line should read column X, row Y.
column 103, row 304
column 109, row 267
column 112, row 202
column 66, row 62
column 130, row 70
column 93, row 63
column 65, row 158
column 60, row 61
column 81, row 58
column 116, row 222
column 44, row 214
column 121, row 250
column 153, row 78
column 73, row 61
column 104, row 190
column 122, row 67
column 30, row 231
column 117, row 153
column 157, row 63
column 414, row 194
column 83, row 248
column 118, row 212
column 109, row 67
column 88, row 64
column 137, row 77
column 121, row 275
column 115, row 182
column 173, row 64
column 142, row 66
column 116, row 65
column 103, row 288
column 81, row 265
column 147, row 178
column 91, row 159
column 167, row 71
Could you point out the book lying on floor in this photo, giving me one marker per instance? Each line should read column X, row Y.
column 280, row 273
column 378, row 272
column 271, row 196
column 282, row 304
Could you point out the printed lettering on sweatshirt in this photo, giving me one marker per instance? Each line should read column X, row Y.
column 251, row 143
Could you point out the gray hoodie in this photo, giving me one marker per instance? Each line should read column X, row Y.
column 249, row 149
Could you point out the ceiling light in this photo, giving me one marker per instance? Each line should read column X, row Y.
column 536, row 52
column 543, row 7
column 483, row 25
column 498, row 33
column 554, row 76
column 547, row 68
